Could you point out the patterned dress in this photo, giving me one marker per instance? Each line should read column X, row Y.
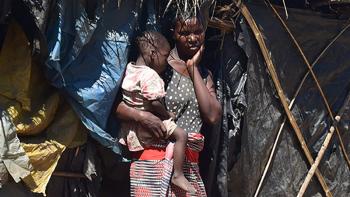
column 150, row 175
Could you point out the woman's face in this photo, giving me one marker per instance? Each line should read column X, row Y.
column 189, row 36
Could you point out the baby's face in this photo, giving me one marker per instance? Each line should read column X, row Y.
column 161, row 56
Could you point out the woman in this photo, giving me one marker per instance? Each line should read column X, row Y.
column 191, row 97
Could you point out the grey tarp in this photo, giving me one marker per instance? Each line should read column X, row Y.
column 264, row 113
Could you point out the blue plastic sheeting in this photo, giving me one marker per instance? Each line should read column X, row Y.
column 87, row 58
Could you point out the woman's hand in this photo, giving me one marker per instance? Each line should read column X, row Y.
column 208, row 104
column 194, row 61
column 150, row 122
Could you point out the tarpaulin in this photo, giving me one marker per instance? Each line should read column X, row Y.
column 13, row 159
column 5, row 11
column 15, row 189
column 87, row 58
column 19, row 85
column 45, row 151
column 101, row 44
column 82, row 160
column 227, row 64
column 264, row 113
column 15, row 66
column 45, row 123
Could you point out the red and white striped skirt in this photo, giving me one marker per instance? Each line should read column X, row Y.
column 150, row 175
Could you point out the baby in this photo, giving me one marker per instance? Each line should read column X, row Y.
column 143, row 89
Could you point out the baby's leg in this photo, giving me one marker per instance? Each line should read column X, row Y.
column 180, row 137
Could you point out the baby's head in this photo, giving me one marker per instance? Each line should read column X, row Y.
column 154, row 48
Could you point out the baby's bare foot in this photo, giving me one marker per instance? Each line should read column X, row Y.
column 183, row 183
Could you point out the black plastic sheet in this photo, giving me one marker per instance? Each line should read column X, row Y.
column 264, row 113
column 227, row 62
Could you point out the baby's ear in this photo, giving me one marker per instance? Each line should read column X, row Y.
column 152, row 54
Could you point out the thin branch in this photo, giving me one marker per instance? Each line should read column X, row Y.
column 272, row 153
column 316, row 81
column 281, row 95
column 324, row 147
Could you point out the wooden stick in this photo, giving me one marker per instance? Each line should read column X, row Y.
column 69, row 174
column 325, row 101
column 323, row 148
column 317, row 162
column 270, row 158
column 272, row 153
column 281, row 95
column 222, row 25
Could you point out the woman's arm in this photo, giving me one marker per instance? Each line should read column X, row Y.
column 209, row 106
column 147, row 120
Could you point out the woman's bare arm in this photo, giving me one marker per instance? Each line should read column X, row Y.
column 209, row 106
column 150, row 122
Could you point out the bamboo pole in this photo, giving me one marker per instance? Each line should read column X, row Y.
column 317, row 162
column 272, row 153
column 281, row 95
column 267, row 166
column 323, row 148
column 325, row 101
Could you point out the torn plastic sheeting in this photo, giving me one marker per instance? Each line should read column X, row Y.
column 45, row 151
column 235, row 77
column 87, row 59
column 5, row 10
column 264, row 113
column 15, row 66
column 13, row 159
column 78, row 160
column 39, row 9
column 228, row 67
column 48, row 131
column 91, row 81
column 20, row 82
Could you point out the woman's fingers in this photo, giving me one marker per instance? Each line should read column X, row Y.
column 194, row 61
column 198, row 56
column 189, row 63
column 153, row 124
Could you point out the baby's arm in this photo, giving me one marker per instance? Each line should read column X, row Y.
column 158, row 108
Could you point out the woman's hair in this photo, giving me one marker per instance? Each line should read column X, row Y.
column 187, row 9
